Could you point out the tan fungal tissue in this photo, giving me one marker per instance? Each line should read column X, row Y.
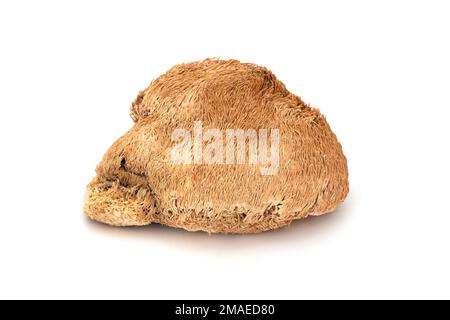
column 189, row 162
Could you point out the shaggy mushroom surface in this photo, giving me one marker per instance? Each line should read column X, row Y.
column 222, row 147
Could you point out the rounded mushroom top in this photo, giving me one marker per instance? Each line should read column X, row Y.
column 228, row 90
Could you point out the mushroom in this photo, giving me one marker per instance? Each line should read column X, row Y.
column 219, row 185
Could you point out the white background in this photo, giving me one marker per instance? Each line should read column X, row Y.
column 378, row 70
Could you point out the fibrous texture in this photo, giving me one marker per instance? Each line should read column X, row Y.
column 138, row 182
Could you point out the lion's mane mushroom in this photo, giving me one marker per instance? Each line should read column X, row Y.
column 139, row 182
